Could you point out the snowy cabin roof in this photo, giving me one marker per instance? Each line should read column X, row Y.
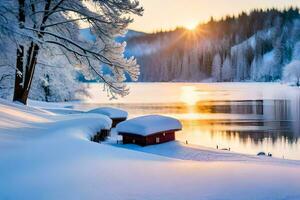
column 113, row 113
column 148, row 125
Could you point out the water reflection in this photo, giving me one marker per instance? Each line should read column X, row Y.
column 247, row 126
column 247, row 118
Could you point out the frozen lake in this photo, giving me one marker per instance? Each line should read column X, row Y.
column 246, row 117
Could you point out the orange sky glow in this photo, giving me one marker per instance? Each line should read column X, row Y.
column 168, row 14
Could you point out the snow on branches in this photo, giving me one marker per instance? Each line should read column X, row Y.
column 35, row 26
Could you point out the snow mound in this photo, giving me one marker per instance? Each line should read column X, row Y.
column 112, row 113
column 14, row 116
column 148, row 125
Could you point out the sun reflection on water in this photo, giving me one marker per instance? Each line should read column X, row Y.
column 189, row 95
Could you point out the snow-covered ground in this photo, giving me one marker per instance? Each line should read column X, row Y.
column 48, row 155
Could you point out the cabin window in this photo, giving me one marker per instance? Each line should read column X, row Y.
column 157, row 140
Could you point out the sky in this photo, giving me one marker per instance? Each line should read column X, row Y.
column 168, row 14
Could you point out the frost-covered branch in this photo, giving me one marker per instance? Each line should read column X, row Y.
column 42, row 26
column 66, row 21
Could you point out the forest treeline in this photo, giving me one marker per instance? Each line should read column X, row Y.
column 251, row 46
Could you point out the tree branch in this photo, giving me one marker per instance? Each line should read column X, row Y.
column 63, row 22
column 106, row 60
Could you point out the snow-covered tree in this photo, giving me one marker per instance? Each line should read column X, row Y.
column 56, row 81
column 269, row 69
column 217, row 67
column 256, row 67
column 36, row 26
column 227, row 70
column 6, row 81
column 292, row 72
column 278, row 56
column 296, row 31
column 296, row 52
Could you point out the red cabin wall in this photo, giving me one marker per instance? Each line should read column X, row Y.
column 148, row 140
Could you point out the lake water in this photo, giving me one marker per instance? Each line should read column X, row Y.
column 245, row 117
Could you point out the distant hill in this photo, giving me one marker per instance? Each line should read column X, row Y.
column 252, row 46
column 87, row 35
column 129, row 35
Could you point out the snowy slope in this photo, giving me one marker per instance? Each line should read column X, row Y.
column 49, row 156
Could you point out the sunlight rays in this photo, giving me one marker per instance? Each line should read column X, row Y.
column 192, row 25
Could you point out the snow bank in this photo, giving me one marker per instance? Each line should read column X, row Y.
column 148, row 125
column 36, row 121
column 113, row 113
column 54, row 107
column 48, row 156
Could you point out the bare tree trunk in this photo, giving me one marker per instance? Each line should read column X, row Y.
column 23, row 83
column 19, row 86
column 22, row 86
column 19, row 75
column 30, row 68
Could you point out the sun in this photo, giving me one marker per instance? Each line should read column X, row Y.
column 191, row 26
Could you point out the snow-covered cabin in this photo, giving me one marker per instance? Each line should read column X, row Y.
column 148, row 130
column 115, row 114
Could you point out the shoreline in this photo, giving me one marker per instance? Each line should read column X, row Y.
column 199, row 153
